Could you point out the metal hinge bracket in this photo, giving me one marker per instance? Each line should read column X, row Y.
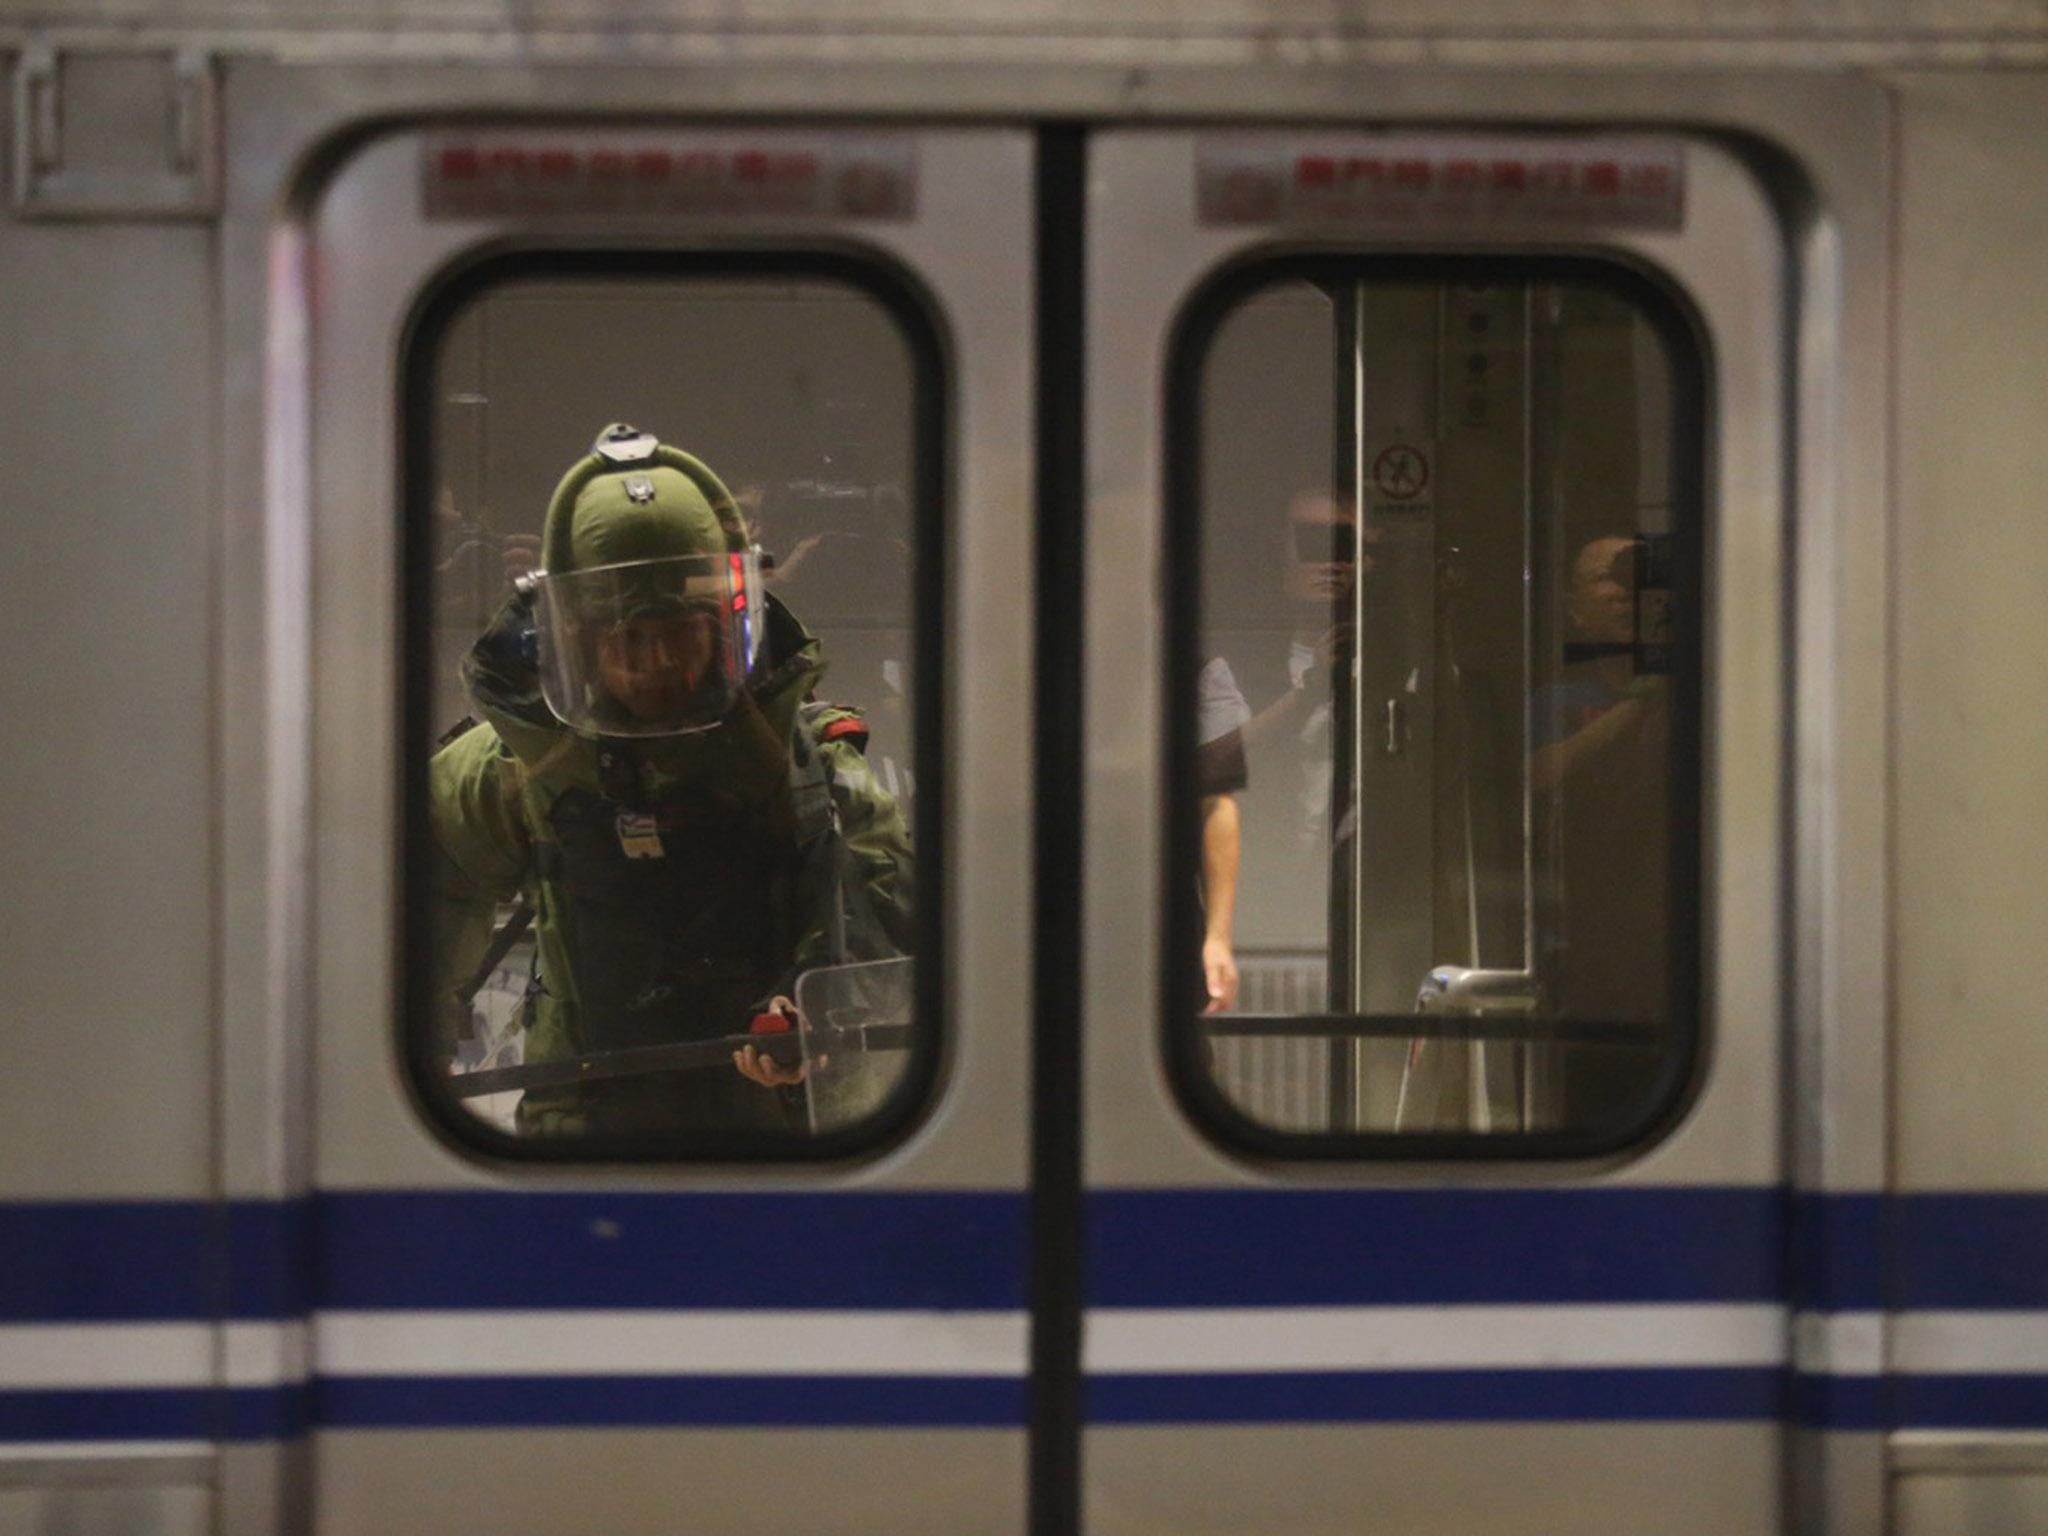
column 116, row 134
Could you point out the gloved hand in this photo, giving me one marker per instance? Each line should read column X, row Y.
column 758, row 1066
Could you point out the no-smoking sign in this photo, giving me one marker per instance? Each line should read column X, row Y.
column 1401, row 476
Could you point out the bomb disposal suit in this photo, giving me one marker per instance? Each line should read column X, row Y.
column 690, row 829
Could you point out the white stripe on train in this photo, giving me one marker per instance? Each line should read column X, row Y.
column 1118, row 1340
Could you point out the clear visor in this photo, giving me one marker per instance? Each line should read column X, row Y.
column 651, row 647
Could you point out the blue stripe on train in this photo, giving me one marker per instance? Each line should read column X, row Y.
column 1278, row 1248
column 1855, row 1403
column 1265, row 1247
column 470, row 1250
column 1837, row 1252
column 939, row 1402
column 1970, row 1402
column 143, row 1261
column 1839, row 1402
column 1533, row 1396
column 1437, row 1396
column 152, row 1261
column 191, row 1260
column 444, row 1402
column 1969, row 1251
column 154, row 1413
column 163, row 1261
column 270, row 1258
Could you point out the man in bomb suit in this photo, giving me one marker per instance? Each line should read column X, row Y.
column 689, row 828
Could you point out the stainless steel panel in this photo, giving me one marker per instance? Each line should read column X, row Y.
column 1956, row 1452
column 656, row 1483
column 1929, row 1504
column 1972, row 635
column 105, row 1512
column 1433, row 1480
column 1835, row 1482
column 115, row 134
column 107, row 426
column 1147, row 32
column 1842, row 210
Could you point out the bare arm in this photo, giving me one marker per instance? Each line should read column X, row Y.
column 1220, row 849
column 1550, row 766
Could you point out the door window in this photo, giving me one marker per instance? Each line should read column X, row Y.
column 671, row 568
column 1435, row 534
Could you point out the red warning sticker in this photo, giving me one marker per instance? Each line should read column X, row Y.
column 493, row 173
column 1397, row 180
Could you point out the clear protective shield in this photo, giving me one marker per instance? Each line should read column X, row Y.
column 650, row 647
column 856, row 1023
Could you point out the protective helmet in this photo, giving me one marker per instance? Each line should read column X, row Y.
column 648, row 606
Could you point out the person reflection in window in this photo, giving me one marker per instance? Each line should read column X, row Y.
column 1603, row 698
column 1321, row 570
column 1220, row 775
column 1600, row 765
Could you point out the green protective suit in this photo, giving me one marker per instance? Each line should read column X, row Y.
column 778, row 851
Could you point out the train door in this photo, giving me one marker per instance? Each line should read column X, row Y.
column 1432, row 527
column 541, row 1298
column 1432, row 851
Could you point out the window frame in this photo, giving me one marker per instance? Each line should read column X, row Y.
column 440, row 303
column 1682, row 1069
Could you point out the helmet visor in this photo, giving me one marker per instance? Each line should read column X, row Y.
column 651, row 647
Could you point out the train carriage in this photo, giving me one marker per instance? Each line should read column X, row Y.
column 1556, row 486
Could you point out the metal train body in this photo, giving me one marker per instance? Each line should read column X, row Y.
column 249, row 1285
